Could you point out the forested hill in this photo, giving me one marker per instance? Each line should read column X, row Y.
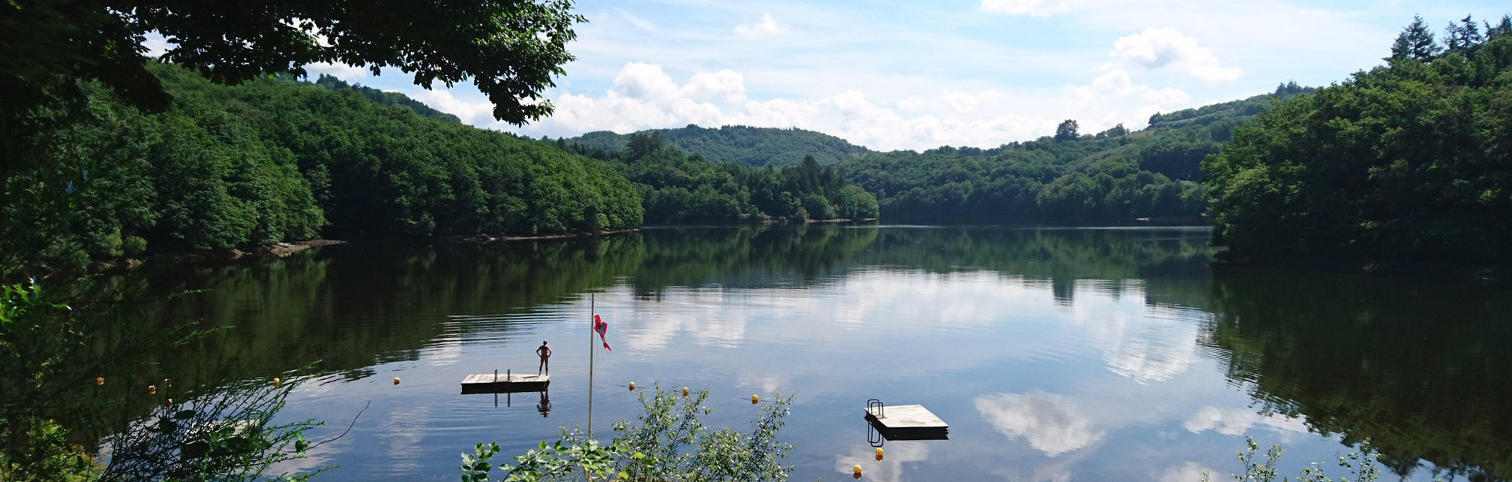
column 274, row 160
column 751, row 146
column 387, row 98
column 1226, row 114
column 678, row 187
column 1407, row 163
column 1110, row 176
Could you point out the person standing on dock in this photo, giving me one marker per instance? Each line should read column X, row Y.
column 545, row 353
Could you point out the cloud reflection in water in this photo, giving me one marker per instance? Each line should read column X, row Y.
column 1051, row 423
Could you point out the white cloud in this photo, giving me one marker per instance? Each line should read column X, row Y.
column 645, row 82
column 1033, row 8
column 766, row 26
column 1117, row 83
column 471, row 111
column 912, row 103
column 1158, row 48
column 344, row 72
column 1051, row 423
column 726, row 84
column 156, row 45
column 969, row 101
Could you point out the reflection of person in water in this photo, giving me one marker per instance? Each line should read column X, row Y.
column 545, row 406
column 545, row 353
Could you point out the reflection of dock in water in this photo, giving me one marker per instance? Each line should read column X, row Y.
column 505, row 383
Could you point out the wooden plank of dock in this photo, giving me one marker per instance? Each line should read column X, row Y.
column 504, row 383
column 908, row 422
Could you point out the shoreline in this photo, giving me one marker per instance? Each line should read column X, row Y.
column 501, row 238
column 267, row 251
column 289, row 248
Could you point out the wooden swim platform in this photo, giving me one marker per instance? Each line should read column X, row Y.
column 504, row 383
column 907, row 422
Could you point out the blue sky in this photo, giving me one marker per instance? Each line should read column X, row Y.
column 917, row 75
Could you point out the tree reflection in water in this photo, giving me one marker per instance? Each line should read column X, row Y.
column 1420, row 369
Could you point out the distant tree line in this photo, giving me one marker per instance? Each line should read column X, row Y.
column 1408, row 162
column 679, row 188
column 751, row 146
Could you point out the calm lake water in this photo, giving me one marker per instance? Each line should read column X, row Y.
column 1054, row 354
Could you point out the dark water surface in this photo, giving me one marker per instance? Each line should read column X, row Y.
column 1054, row 354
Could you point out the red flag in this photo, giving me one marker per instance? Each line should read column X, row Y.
column 600, row 326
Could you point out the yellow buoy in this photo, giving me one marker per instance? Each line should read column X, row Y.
column 632, row 386
column 879, row 453
column 152, row 389
column 167, row 383
column 277, row 381
column 685, row 391
column 99, row 381
column 755, row 399
column 396, row 380
column 170, row 402
column 856, row 470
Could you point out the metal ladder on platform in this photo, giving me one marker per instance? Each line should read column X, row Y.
column 878, row 410
column 876, row 404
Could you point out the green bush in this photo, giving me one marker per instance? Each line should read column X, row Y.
column 667, row 441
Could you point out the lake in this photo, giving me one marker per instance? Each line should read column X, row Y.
column 1054, row 354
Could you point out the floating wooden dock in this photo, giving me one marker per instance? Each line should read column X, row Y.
column 907, row 422
column 504, row 383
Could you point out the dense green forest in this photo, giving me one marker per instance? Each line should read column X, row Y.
column 1409, row 162
column 751, row 146
column 276, row 160
column 1114, row 175
column 686, row 188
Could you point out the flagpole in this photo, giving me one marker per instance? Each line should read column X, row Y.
column 591, row 312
